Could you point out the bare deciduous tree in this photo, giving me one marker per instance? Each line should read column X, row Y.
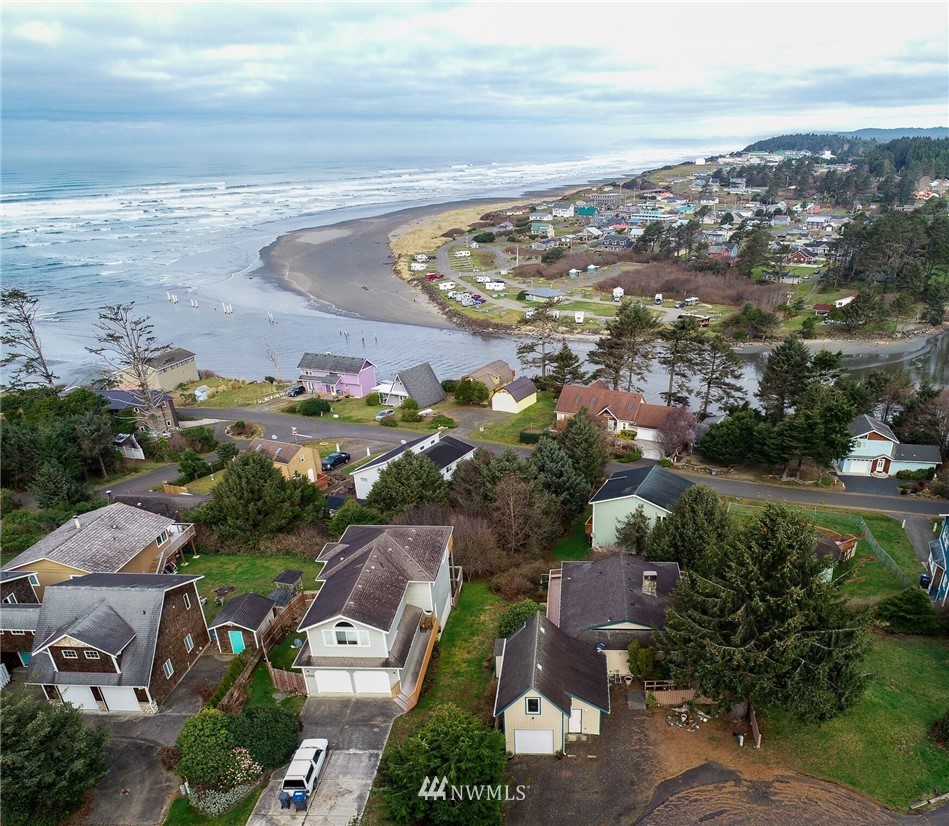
column 21, row 343
column 677, row 433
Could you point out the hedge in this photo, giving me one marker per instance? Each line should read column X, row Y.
column 529, row 437
column 921, row 475
column 234, row 670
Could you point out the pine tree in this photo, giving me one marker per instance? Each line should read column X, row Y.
column 694, row 533
column 787, row 373
column 683, row 343
column 761, row 625
column 560, row 478
column 409, row 481
column 632, row 533
column 717, row 371
column 51, row 485
column 584, row 441
column 21, row 342
column 624, row 354
column 565, row 368
column 542, row 325
column 252, row 500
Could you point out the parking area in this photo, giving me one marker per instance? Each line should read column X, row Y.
column 357, row 731
column 871, row 484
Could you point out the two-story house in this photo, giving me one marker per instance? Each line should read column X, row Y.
column 938, row 564
column 337, row 376
column 129, row 404
column 164, row 372
column 419, row 383
column 292, row 460
column 19, row 612
column 493, row 375
column 387, row 591
column 116, row 538
column 117, row 642
column 876, row 450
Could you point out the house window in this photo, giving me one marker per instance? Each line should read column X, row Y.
column 189, row 644
column 69, row 654
column 532, row 705
column 90, row 654
column 168, row 668
column 346, row 634
column 187, row 602
column 162, row 538
column 10, row 600
column 18, row 633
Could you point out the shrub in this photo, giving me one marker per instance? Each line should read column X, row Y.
column 388, row 421
column 200, row 438
column 442, row 420
column 515, row 616
column 373, row 399
column 641, row 660
column 8, row 501
column 627, row 435
column 483, row 237
column 939, row 731
column 226, row 451
column 408, row 404
column 409, row 416
column 269, row 734
column 633, row 456
column 521, row 296
column 215, row 802
column 313, row 407
column 529, row 437
column 666, row 463
column 471, row 392
column 908, row 612
column 207, row 743
column 449, row 385
column 234, row 670
column 921, row 475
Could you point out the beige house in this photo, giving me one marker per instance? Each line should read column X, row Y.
column 493, row 375
column 551, row 688
column 115, row 539
column 165, row 372
column 514, row 397
column 292, row 460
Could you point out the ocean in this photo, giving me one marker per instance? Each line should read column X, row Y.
column 80, row 235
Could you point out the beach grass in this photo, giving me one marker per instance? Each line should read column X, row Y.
column 539, row 416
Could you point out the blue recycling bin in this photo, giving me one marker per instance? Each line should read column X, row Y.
column 299, row 800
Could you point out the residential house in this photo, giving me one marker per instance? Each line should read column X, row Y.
column 587, row 212
column 545, row 217
column 545, row 293
column 292, row 460
column 117, row 642
column 492, row 375
column 113, row 539
column 822, row 309
column 605, row 199
column 387, row 591
column 445, row 452
column 18, row 587
column 549, row 688
column 515, row 396
column 563, row 210
column 419, row 383
column 610, row 602
column 171, row 505
column 337, row 376
column 619, row 411
column 780, row 220
column 241, row 623
column 616, row 242
column 18, row 621
column 723, row 252
column 542, row 228
column 164, row 372
column 938, row 564
column 876, row 450
column 799, row 256
column 129, row 404
column 656, row 490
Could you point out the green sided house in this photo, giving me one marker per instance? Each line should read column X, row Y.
column 549, row 688
column 654, row 489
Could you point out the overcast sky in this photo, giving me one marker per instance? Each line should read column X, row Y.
column 531, row 71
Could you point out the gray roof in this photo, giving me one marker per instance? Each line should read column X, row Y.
column 19, row 616
column 108, row 538
column 918, row 453
column 333, row 364
column 595, row 595
column 247, row 611
column 541, row 657
column 367, row 571
column 289, row 576
column 446, row 450
column 170, row 505
column 654, row 484
column 172, row 356
column 421, row 383
column 865, row 424
column 520, row 388
column 112, row 612
column 130, row 399
column 492, row 375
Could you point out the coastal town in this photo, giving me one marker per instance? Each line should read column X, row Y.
column 344, row 594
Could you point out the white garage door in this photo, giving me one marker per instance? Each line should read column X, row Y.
column 80, row 696
column 858, row 466
column 120, row 699
column 529, row 741
column 371, row 682
column 333, row 682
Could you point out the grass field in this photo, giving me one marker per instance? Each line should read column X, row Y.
column 591, row 307
column 248, row 574
column 575, row 545
column 356, row 411
column 205, row 484
column 880, row 747
column 232, row 393
column 479, row 261
column 538, row 416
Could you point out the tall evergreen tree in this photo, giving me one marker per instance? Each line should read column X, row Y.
column 559, row 478
column 624, row 354
column 584, row 441
column 565, row 368
column 409, row 481
column 540, row 332
column 632, row 534
column 252, row 500
column 21, row 342
column 694, row 533
column 717, row 371
column 761, row 625
column 683, row 343
column 754, row 252
column 787, row 373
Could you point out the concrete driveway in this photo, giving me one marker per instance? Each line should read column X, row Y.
column 357, row 731
column 137, row 787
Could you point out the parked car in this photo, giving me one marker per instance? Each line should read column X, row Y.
column 434, row 276
column 306, row 766
column 296, row 390
column 382, row 414
column 334, row 460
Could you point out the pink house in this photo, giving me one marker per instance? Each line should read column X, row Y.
column 337, row 375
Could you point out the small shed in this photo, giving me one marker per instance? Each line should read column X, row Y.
column 201, row 393
column 241, row 622
column 573, row 273
column 515, row 396
column 290, row 579
column 579, row 316
column 591, row 269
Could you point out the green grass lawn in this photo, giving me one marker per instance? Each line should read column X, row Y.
column 591, row 307
column 135, row 468
column 260, row 691
column 249, row 574
column 538, row 416
column 283, row 654
column 576, row 544
column 879, row 747
column 181, row 813
column 232, row 392
column 205, row 484
column 356, row 411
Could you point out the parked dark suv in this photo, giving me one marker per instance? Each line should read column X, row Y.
column 296, row 390
column 334, row 460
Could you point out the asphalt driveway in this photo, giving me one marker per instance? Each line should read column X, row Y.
column 871, row 484
column 137, row 787
column 357, row 731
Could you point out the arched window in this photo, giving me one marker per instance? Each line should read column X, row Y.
column 346, row 634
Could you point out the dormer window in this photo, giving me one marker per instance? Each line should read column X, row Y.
column 91, row 654
column 162, row 538
column 69, row 654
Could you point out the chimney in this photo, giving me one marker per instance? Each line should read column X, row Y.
column 76, row 522
column 649, row 582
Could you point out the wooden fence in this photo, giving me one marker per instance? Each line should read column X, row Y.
column 666, row 694
column 291, row 614
column 234, row 699
column 753, row 722
column 289, row 682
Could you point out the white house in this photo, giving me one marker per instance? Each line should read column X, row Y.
column 387, row 591
column 445, row 452
column 462, row 253
column 563, row 210
column 544, row 293
column 876, row 450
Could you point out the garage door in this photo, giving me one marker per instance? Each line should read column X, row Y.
column 858, row 466
column 371, row 682
column 120, row 699
column 80, row 696
column 528, row 741
column 333, row 682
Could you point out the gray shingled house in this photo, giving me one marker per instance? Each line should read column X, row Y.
column 550, row 686
column 419, row 383
column 117, row 642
